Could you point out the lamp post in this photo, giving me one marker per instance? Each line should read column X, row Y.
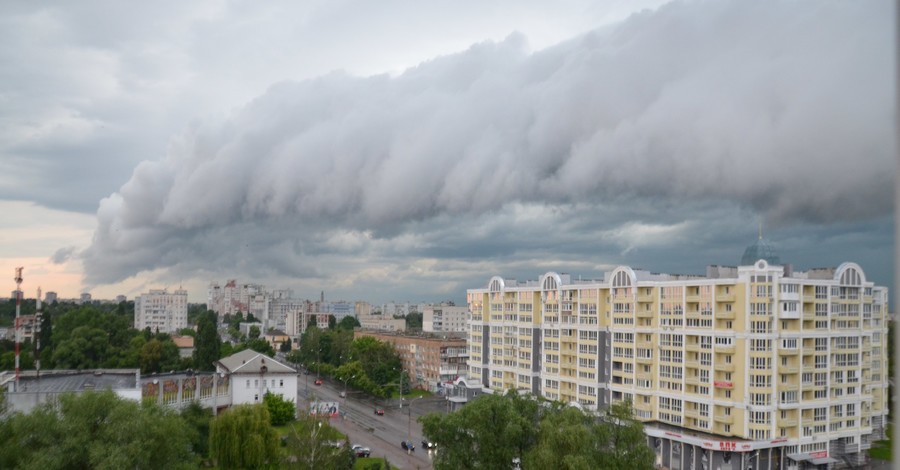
column 409, row 420
column 400, row 384
column 344, row 396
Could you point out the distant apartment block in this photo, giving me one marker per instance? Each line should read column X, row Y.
column 160, row 310
column 753, row 366
column 85, row 298
column 429, row 361
column 50, row 297
column 445, row 318
column 381, row 323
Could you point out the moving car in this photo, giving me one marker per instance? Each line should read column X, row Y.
column 426, row 444
column 319, row 381
column 379, row 411
column 408, row 446
column 361, row 451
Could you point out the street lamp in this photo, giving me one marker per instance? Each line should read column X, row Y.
column 346, row 379
column 400, row 384
column 409, row 419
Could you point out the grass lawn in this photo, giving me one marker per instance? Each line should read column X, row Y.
column 414, row 393
column 882, row 449
column 369, row 463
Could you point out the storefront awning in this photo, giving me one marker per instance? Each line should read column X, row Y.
column 823, row 460
column 799, row 457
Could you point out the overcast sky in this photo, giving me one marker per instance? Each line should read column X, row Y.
column 410, row 150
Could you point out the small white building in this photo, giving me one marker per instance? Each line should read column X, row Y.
column 252, row 374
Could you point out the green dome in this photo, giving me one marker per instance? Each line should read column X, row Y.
column 762, row 249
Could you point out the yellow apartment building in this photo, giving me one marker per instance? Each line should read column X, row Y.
column 751, row 367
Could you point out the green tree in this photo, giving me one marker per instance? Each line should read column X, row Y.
column 622, row 438
column 199, row 419
column 254, row 332
column 313, row 444
column 348, row 323
column 489, row 432
column 281, row 411
column 96, row 430
column 414, row 321
column 285, row 346
column 243, row 437
column 207, row 344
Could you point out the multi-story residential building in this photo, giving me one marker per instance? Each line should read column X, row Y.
column 444, row 318
column 161, row 311
column 50, row 297
column 381, row 322
column 753, row 366
column 429, row 361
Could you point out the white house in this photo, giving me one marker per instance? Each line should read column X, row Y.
column 252, row 374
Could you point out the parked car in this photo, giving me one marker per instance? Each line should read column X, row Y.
column 361, row 451
column 379, row 411
column 319, row 382
column 426, row 444
column 408, row 446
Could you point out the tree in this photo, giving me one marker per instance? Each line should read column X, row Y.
column 254, row 332
column 348, row 323
column 207, row 345
column 199, row 419
column 243, row 437
column 96, row 430
column 281, row 411
column 311, row 444
column 285, row 346
column 414, row 321
column 489, row 432
column 625, row 443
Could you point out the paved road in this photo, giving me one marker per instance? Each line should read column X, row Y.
column 382, row 434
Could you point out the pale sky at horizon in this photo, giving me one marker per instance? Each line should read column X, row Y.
column 405, row 151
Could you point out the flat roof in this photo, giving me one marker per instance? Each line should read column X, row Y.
column 58, row 381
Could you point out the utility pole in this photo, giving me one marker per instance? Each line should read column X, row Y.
column 18, row 280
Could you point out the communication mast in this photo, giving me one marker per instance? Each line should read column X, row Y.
column 18, row 280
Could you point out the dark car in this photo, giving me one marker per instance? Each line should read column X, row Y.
column 408, row 446
column 379, row 411
column 319, row 382
column 426, row 444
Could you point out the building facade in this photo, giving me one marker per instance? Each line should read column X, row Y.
column 753, row 366
column 445, row 318
column 429, row 361
column 161, row 311
column 251, row 375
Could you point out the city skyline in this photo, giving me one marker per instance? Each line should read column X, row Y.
column 408, row 152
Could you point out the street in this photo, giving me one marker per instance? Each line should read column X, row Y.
column 381, row 434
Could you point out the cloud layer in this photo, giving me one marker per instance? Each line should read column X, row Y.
column 636, row 133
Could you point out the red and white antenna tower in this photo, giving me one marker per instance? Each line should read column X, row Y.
column 18, row 280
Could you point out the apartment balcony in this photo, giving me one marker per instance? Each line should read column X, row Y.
column 692, row 364
column 694, row 298
column 789, row 369
column 725, row 297
column 642, row 406
column 724, row 419
column 723, row 315
column 643, row 375
column 723, row 367
column 691, row 413
column 644, row 313
column 644, row 344
column 721, row 348
column 809, row 316
column 789, row 387
column 644, row 360
column 645, row 298
column 787, row 422
column 694, row 347
column 693, row 380
column 810, row 368
column 788, row 351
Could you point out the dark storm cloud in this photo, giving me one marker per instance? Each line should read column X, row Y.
column 674, row 127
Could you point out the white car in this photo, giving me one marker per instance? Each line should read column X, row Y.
column 361, row 451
